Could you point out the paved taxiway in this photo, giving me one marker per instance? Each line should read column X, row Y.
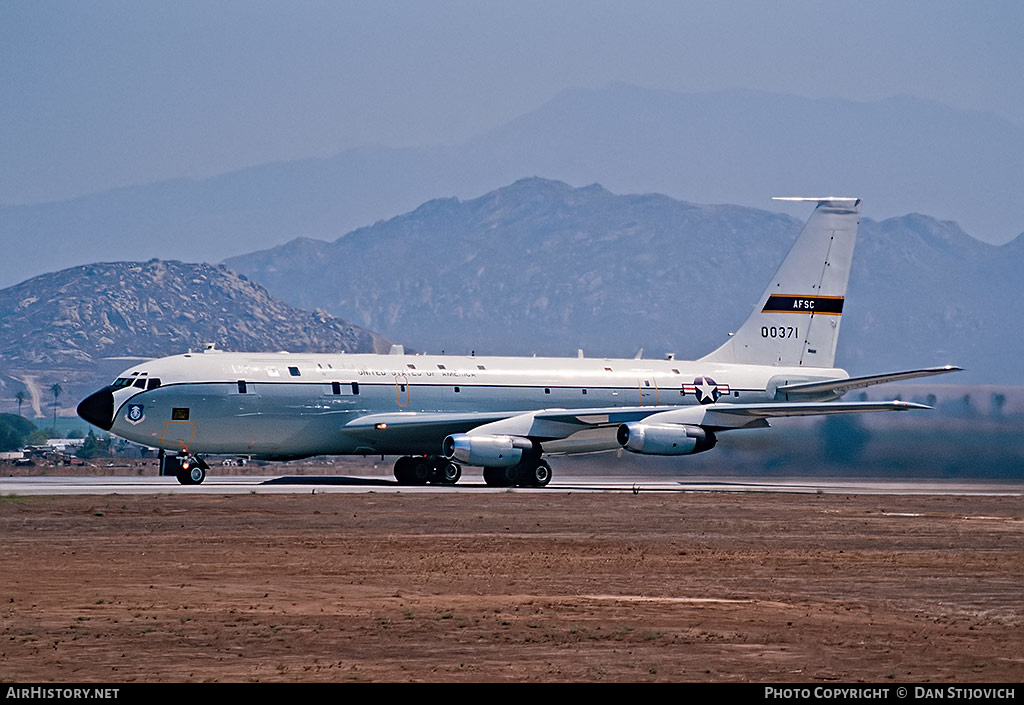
column 306, row 484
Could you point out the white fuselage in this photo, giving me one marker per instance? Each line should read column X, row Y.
column 290, row 405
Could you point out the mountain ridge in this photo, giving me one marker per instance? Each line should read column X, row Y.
column 541, row 267
column 71, row 326
column 740, row 147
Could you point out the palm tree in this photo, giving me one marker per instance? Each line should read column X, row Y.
column 56, row 393
column 20, row 396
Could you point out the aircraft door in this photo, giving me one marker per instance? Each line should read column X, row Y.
column 648, row 390
column 181, row 429
column 245, row 398
column 402, row 391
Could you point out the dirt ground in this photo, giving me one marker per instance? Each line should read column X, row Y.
column 517, row 586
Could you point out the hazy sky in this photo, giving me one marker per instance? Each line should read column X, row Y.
column 107, row 93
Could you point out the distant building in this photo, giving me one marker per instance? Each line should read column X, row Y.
column 63, row 444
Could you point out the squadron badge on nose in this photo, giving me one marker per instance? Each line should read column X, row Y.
column 136, row 414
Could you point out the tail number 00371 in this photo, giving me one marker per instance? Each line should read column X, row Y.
column 779, row 332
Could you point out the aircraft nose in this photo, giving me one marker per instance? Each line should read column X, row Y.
column 98, row 409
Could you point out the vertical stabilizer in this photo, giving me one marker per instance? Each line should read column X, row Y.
column 796, row 320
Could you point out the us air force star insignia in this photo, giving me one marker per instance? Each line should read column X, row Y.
column 706, row 390
column 135, row 414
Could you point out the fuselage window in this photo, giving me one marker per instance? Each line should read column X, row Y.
column 457, row 390
column 584, row 391
column 547, row 390
column 241, row 386
column 441, row 367
column 293, row 371
column 153, row 383
column 481, row 367
column 355, row 387
column 179, row 414
column 336, row 387
column 411, row 366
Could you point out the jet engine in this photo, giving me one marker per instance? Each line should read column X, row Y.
column 664, row 438
column 488, row 451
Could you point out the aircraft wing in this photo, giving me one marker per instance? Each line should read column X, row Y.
column 556, row 424
column 541, row 424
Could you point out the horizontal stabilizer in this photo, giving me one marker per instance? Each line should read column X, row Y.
column 841, row 386
column 727, row 416
column 836, row 200
column 811, row 409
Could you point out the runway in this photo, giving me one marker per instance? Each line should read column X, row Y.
column 362, row 484
column 127, row 578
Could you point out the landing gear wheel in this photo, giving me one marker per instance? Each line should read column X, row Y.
column 535, row 474
column 412, row 470
column 421, row 471
column 191, row 471
column 501, row 477
column 491, row 477
column 402, row 471
column 448, row 473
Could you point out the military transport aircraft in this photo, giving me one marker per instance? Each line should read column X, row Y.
column 505, row 413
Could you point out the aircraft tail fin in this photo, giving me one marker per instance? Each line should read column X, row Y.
column 796, row 320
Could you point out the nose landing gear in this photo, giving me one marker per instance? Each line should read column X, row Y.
column 193, row 470
column 189, row 469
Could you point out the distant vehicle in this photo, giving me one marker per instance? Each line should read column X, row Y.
column 505, row 413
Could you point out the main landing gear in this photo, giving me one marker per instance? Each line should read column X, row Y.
column 436, row 469
column 529, row 472
column 419, row 470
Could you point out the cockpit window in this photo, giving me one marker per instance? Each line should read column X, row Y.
column 153, row 383
column 121, row 382
column 140, row 382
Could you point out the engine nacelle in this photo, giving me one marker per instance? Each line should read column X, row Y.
column 664, row 438
column 488, row 451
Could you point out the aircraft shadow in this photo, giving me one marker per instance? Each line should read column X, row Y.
column 328, row 480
